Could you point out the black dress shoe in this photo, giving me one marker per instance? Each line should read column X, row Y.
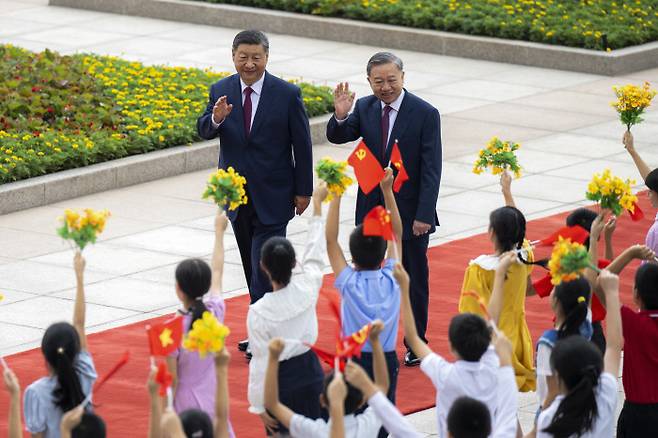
column 248, row 355
column 411, row 360
column 243, row 345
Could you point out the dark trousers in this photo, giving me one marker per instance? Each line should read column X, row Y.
column 251, row 234
column 638, row 420
column 414, row 260
column 393, row 366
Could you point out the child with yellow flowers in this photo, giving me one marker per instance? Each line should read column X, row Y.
column 199, row 288
column 507, row 233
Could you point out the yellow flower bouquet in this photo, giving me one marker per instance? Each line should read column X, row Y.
column 611, row 192
column 631, row 102
column 499, row 156
column 206, row 336
column 333, row 173
column 568, row 261
column 82, row 228
column 226, row 187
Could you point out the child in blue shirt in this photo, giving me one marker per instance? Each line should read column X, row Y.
column 368, row 290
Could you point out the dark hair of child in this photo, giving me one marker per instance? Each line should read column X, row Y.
column 573, row 297
column 578, row 364
column 469, row 336
column 652, row 180
column 196, row 424
column 582, row 217
column 193, row 277
column 469, row 418
column 278, row 257
column 91, row 426
column 60, row 346
column 508, row 225
column 646, row 284
column 353, row 400
column 367, row 252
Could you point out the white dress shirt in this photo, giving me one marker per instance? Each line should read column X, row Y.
column 392, row 115
column 365, row 425
column 255, row 97
column 392, row 419
column 287, row 313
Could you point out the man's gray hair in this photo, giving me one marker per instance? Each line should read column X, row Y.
column 380, row 58
column 251, row 37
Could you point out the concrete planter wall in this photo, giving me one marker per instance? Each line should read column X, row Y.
column 47, row 189
column 617, row 62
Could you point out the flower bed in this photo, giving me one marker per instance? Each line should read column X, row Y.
column 61, row 112
column 590, row 24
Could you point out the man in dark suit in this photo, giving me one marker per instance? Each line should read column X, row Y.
column 264, row 135
column 391, row 113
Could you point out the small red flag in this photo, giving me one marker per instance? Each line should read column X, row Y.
column 165, row 337
column 637, row 214
column 122, row 361
column 378, row 223
column 346, row 348
column 543, row 286
column 163, row 378
column 576, row 233
column 396, row 161
column 366, row 166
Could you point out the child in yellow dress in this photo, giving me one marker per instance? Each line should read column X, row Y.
column 507, row 232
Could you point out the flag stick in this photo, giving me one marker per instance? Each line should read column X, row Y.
column 3, row 363
column 337, row 365
column 170, row 398
column 87, row 400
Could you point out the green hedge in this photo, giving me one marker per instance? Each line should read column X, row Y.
column 591, row 24
column 61, row 112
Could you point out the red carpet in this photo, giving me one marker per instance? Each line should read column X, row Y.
column 123, row 402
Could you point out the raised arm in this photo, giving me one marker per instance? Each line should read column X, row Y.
column 272, row 403
column 609, row 283
column 155, row 405
column 506, row 188
column 629, row 144
column 497, row 294
column 639, row 252
column 378, row 358
column 79, row 309
column 209, row 124
column 221, row 399
column 608, row 231
column 389, row 201
column 313, row 258
column 337, row 392
column 217, row 262
column 171, row 425
column 14, row 389
column 416, row 344
column 594, row 234
column 70, row 421
column 343, row 126
column 334, row 251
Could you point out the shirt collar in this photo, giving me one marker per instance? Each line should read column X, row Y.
column 396, row 103
column 256, row 86
column 656, row 217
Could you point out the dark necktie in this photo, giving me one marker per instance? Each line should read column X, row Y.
column 247, row 110
column 385, row 126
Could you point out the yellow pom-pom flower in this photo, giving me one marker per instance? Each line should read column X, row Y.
column 206, row 336
column 82, row 228
column 612, row 192
column 333, row 173
column 568, row 261
column 226, row 188
column 631, row 102
column 498, row 156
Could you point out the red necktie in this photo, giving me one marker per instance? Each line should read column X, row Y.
column 247, row 110
column 385, row 125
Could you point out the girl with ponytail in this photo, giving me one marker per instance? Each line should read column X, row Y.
column 199, row 289
column 71, row 369
column 586, row 400
column 507, row 227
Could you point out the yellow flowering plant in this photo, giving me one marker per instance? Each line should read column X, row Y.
column 333, row 173
column 206, row 336
column 226, row 188
column 82, row 227
column 568, row 261
column 631, row 102
column 499, row 156
column 612, row 192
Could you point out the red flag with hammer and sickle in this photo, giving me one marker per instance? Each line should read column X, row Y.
column 378, row 223
column 367, row 169
column 396, row 161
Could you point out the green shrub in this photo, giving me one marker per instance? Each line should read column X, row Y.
column 576, row 23
column 61, row 112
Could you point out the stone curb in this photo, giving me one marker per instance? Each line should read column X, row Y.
column 613, row 63
column 136, row 169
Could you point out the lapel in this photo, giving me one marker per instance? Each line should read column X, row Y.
column 263, row 103
column 401, row 123
column 235, row 98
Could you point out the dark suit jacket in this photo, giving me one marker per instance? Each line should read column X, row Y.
column 276, row 159
column 417, row 129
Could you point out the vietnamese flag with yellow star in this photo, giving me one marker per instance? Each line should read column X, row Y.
column 368, row 170
column 396, row 161
column 165, row 337
column 378, row 223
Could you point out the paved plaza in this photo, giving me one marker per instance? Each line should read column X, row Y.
column 563, row 121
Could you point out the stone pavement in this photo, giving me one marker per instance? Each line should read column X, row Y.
column 562, row 119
